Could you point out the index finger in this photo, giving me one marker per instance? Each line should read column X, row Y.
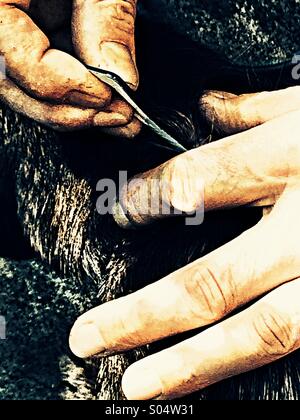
column 242, row 169
column 46, row 73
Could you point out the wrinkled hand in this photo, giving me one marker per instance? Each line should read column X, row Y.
column 50, row 85
column 262, row 164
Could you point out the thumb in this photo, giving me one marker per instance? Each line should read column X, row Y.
column 231, row 114
column 103, row 36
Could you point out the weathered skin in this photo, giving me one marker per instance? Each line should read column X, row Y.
column 45, row 45
column 53, row 181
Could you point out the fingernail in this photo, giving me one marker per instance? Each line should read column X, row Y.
column 117, row 58
column 110, row 119
column 83, row 99
column 86, row 341
column 141, row 384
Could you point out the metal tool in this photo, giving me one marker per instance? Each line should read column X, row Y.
column 116, row 82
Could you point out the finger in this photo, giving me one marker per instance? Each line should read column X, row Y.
column 44, row 72
column 200, row 293
column 103, row 35
column 129, row 131
column 59, row 117
column 116, row 114
column 257, row 336
column 239, row 170
column 234, row 113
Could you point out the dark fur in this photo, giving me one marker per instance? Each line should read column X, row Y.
column 49, row 181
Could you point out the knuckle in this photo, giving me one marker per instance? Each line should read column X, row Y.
column 276, row 333
column 213, row 298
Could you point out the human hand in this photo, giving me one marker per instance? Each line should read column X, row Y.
column 260, row 164
column 53, row 87
column 234, row 162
